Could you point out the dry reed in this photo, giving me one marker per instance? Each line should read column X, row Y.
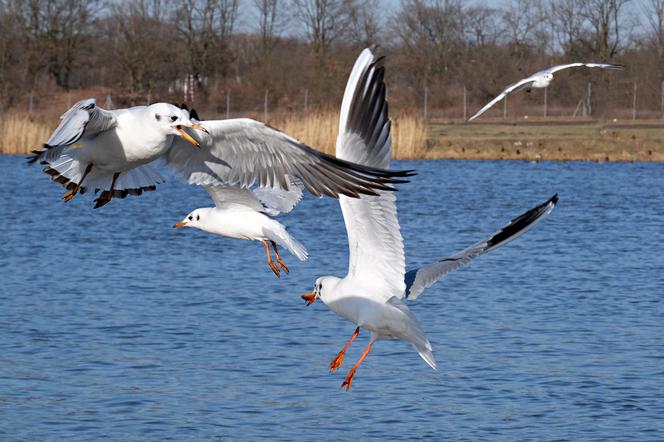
column 20, row 134
column 319, row 130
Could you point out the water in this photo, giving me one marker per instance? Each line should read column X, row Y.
column 115, row 326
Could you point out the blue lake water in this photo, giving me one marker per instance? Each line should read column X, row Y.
column 113, row 325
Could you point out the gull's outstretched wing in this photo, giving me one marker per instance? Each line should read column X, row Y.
column 243, row 152
column 225, row 196
column 519, row 84
column 551, row 70
column 268, row 200
column 278, row 200
column 424, row 277
column 375, row 244
column 84, row 119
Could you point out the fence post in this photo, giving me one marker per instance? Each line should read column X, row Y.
column 265, row 106
column 30, row 104
column 662, row 99
column 588, row 96
column 546, row 89
column 505, row 108
column 228, row 105
column 306, row 100
column 465, row 103
column 634, row 103
column 426, row 102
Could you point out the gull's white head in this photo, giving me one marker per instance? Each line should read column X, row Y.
column 198, row 219
column 172, row 120
column 322, row 288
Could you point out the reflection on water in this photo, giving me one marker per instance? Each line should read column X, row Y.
column 115, row 325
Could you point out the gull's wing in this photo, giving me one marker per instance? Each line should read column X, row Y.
column 551, row 70
column 519, row 84
column 270, row 201
column 225, row 196
column 278, row 200
column 84, row 119
column 424, row 277
column 375, row 244
column 243, row 152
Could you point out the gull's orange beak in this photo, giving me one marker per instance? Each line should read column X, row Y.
column 309, row 297
column 188, row 137
column 179, row 224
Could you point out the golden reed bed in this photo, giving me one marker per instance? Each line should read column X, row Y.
column 20, row 134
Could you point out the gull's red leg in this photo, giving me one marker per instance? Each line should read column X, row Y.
column 69, row 195
column 349, row 378
column 106, row 195
column 339, row 359
column 279, row 261
column 274, row 268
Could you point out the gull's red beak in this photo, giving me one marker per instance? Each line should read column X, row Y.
column 309, row 297
column 187, row 137
column 179, row 224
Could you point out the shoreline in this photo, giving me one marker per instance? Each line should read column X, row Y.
column 525, row 140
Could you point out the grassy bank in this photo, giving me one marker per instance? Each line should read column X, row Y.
column 551, row 140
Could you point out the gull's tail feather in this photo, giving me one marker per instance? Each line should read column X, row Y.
column 131, row 182
column 277, row 233
column 65, row 167
column 413, row 332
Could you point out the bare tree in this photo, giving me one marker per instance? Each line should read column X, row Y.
column 364, row 25
column 268, row 23
column 604, row 18
column 324, row 20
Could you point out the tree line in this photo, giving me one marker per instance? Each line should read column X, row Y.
column 293, row 54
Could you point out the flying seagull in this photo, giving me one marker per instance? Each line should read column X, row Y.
column 372, row 295
column 243, row 214
column 119, row 148
column 541, row 79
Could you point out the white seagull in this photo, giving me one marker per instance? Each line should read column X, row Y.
column 541, row 79
column 242, row 214
column 373, row 292
column 118, row 147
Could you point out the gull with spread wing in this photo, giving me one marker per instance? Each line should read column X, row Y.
column 541, row 79
column 118, row 148
column 373, row 292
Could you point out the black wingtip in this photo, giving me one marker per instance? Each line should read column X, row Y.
column 553, row 200
column 194, row 115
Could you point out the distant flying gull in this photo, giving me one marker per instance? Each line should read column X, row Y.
column 118, row 147
column 541, row 79
column 243, row 214
column 372, row 293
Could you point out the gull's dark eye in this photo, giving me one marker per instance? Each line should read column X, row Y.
column 157, row 117
column 191, row 218
column 174, row 118
column 198, row 217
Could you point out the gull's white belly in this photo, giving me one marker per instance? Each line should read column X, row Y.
column 383, row 319
column 240, row 224
column 124, row 147
column 541, row 83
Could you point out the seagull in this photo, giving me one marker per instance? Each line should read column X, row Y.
column 243, row 213
column 119, row 148
column 373, row 293
column 542, row 79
